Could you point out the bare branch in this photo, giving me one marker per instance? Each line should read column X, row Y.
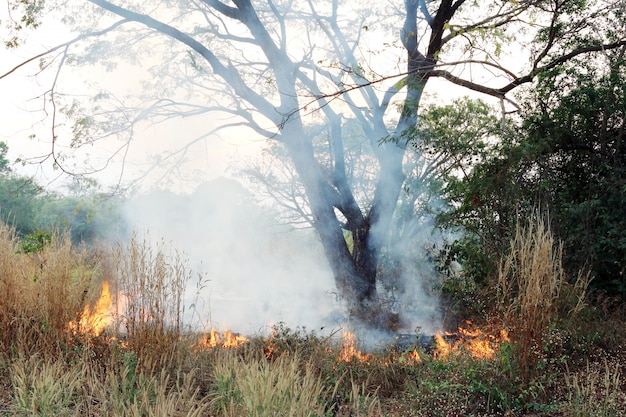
column 560, row 60
column 227, row 11
column 551, row 38
column 494, row 21
column 65, row 45
column 283, row 28
column 502, row 91
column 228, row 73
column 484, row 63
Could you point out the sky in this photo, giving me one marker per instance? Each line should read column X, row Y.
column 21, row 109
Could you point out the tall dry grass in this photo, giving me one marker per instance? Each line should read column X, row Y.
column 288, row 385
column 534, row 292
column 41, row 292
column 255, row 386
column 151, row 285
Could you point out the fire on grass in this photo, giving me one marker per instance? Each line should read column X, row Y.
column 226, row 339
column 94, row 320
column 349, row 350
column 468, row 339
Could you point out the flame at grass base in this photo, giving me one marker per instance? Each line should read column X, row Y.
column 94, row 320
column 479, row 345
column 349, row 350
column 227, row 339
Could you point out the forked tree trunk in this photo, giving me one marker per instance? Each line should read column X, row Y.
column 356, row 271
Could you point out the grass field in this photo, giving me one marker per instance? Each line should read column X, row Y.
column 542, row 349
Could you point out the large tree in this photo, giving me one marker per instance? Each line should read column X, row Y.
column 278, row 65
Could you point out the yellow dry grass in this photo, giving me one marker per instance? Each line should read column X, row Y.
column 534, row 292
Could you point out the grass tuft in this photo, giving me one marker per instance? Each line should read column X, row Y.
column 151, row 284
column 254, row 386
column 534, row 292
column 41, row 292
column 595, row 392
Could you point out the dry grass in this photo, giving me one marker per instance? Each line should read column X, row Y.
column 45, row 388
column 595, row 391
column 155, row 368
column 534, row 293
column 41, row 292
column 150, row 309
column 42, row 387
column 254, row 386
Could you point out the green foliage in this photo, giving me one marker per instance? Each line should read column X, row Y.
column 29, row 208
column 26, row 14
column 20, row 200
column 35, row 241
column 567, row 155
column 458, row 157
column 129, row 383
column 4, row 162
column 87, row 218
column 448, row 129
column 446, row 144
column 581, row 166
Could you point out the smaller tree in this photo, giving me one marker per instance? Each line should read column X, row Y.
column 88, row 218
column 577, row 139
column 566, row 155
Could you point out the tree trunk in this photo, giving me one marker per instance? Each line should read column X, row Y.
column 355, row 273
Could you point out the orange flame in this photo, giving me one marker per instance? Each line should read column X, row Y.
column 349, row 351
column 442, row 348
column 94, row 320
column 472, row 340
column 412, row 357
column 227, row 339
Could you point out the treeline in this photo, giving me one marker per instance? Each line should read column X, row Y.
column 35, row 212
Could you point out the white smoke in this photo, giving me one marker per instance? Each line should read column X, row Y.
column 257, row 272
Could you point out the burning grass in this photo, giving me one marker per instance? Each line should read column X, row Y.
column 94, row 320
column 41, row 292
column 73, row 345
column 470, row 340
column 226, row 339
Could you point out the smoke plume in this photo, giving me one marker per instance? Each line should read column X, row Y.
column 256, row 273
